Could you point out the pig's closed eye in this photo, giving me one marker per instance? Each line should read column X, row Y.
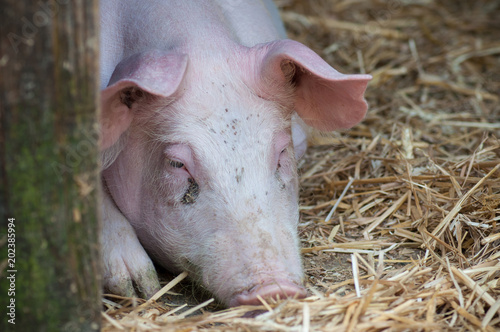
column 175, row 163
column 282, row 155
column 178, row 159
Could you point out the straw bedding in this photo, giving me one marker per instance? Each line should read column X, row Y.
column 399, row 215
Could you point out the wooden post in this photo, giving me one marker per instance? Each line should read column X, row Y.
column 49, row 88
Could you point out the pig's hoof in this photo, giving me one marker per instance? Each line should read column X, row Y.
column 127, row 266
column 128, row 273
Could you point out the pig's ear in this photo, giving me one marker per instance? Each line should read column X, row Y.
column 158, row 73
column 324, row 98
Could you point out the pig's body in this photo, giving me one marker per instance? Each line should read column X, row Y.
column 203, row 29
column 198, row 158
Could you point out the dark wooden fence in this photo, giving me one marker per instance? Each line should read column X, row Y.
column 50, row 273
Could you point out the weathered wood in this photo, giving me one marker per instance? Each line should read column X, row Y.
column 48, row 165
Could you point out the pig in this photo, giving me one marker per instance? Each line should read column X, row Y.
column 203, row 108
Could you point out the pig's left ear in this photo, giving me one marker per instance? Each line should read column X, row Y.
column 324, row 98
column 158, row 73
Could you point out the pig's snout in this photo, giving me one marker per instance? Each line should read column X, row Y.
column 269, row 290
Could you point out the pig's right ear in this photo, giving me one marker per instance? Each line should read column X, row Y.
column 158, row 73
column 324, row 98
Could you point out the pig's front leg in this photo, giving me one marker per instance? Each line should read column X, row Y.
column 124, row 259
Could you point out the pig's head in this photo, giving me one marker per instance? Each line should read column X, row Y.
column 202, row 161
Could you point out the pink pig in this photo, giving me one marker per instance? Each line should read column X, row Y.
column 199, row 127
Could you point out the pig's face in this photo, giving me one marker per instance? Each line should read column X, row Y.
column 202, row 163
column 218, row 189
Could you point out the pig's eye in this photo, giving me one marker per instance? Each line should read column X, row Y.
column 175, row 163
column 177, row 158
column 282, row 154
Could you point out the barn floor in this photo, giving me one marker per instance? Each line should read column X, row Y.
column 412, row 243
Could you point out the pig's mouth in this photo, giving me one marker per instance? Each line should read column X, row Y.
column 272, row 289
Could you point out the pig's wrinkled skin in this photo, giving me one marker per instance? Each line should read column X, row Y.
column 200, row 100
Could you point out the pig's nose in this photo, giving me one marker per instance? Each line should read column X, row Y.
column 269, row 290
